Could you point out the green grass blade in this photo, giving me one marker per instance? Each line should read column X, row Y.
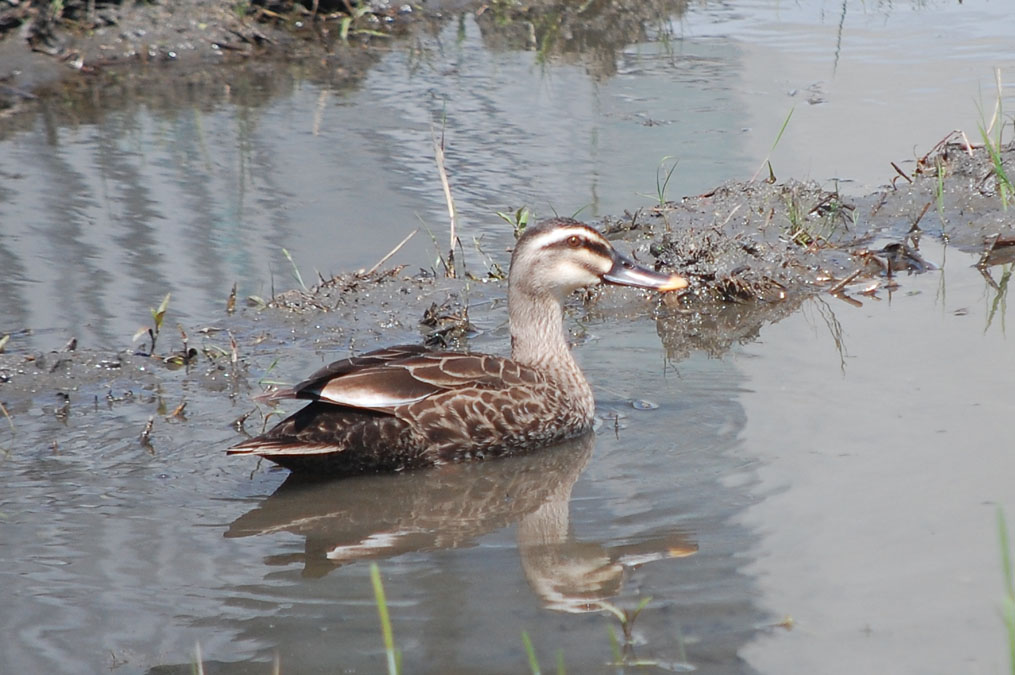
column 531, row 653
column 618, row 656
column 1008, row 606
column 661, row 186
column 296, row 270
column 159, row 314
column 1009, row 573
column 382, row 611
column 782, row 129
column 778, row 137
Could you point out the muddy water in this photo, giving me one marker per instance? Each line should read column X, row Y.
column 841, row 470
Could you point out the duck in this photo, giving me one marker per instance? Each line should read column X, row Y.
column 405, row 407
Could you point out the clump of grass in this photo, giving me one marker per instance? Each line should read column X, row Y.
column 663, row 182
column 663, row 176
column 394, row 655
column 448, row 263
column 1008, row 606
column 806, row 230
column 993, row 144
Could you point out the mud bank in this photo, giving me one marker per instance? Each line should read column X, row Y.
column 753, row 253
column 76, row 49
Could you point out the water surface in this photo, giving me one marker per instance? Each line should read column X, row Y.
column 842, row 470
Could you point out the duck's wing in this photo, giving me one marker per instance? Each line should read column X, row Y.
column 384, row 380
column 308, row 388
column 378, row 357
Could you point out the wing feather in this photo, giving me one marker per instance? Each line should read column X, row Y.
column 385, row 379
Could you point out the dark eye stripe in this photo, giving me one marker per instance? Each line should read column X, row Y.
column 592, row 246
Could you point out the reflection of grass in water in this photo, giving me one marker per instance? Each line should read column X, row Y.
column 622, row 648
column 623, row 652
column 1008, row 608
column 1000, row 297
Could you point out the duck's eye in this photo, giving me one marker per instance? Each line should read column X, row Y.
column 574, row 241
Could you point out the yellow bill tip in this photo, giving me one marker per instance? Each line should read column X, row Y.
column 675, row 283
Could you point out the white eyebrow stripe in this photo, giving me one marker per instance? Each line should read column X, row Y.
column 547, row 239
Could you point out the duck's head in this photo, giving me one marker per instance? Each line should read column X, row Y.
column 560, row 255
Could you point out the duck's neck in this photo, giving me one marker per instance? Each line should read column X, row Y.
column 537, row 337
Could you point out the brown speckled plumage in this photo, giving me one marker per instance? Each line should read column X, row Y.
column 405, row 407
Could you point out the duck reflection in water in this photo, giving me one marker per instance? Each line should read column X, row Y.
column 381, row 516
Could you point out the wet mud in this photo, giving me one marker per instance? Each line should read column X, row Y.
column 752, row 251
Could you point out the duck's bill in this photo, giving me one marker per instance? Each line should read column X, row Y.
column 626, row 272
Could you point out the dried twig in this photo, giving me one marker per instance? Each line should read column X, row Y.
column 438, row 149
column 3, row 409
column 901, row 172
column 837, row 288
column 915, row 227
column 146, row 435
column 389, row 254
